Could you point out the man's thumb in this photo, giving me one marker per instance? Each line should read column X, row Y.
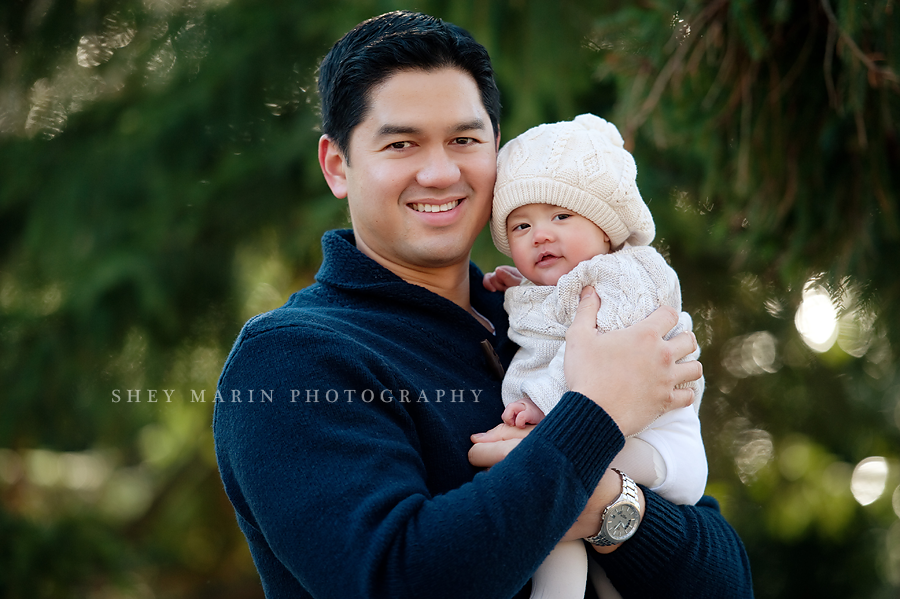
column 586, row 313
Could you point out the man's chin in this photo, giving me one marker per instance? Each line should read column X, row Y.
column 446, row 259
column 444, row 249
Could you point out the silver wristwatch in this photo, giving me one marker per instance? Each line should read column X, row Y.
column 621, row 517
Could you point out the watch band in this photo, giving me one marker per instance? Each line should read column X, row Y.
column 621, row 518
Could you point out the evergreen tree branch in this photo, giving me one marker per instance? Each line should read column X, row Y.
column 885, row 73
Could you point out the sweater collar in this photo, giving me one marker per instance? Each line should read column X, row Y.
column 345, row 267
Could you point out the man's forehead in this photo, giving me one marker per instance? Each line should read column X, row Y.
column 405, row 102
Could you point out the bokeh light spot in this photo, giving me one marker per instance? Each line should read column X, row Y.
column 869, row 480
column 751, row 355
column 755, row 451
column 816, row 319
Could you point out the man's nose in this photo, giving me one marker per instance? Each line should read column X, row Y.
column 439, row 170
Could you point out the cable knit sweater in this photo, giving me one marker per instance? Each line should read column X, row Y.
column 631, row 283
column 352, row 480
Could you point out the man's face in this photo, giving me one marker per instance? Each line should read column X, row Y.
column 547, row 241
column 421, row 170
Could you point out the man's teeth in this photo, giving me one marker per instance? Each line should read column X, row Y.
column 434, row 208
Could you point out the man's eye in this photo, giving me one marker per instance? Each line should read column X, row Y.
column 399, row 145
column 464, row 141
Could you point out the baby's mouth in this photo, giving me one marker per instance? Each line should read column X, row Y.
column 546, row 257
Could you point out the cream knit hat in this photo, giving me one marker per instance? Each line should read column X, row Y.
column 581, row 165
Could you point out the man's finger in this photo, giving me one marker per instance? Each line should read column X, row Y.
column 688, row 371
column 681, row 398
column 683, row 345
column 662, row 320
column 586, row 312
column 485, row 455
column 501, row 432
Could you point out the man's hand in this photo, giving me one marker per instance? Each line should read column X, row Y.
column 491, row 447
column 503, row 278
column 631, row 373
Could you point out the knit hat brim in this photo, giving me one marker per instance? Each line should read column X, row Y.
column 556, row 193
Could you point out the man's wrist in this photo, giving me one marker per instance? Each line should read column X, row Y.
column 621, row 516
column 610, row 548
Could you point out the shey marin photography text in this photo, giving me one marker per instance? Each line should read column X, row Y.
column 310, row 396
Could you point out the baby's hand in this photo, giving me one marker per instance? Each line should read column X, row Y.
column 503, row 278
column 521, row 413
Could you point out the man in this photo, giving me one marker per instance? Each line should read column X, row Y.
column 354, row 479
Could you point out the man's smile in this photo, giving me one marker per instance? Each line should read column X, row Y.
column 420, row 207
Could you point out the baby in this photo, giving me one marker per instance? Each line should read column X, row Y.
column 568, row 212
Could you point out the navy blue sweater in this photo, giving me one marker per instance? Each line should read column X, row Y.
column 342, row 440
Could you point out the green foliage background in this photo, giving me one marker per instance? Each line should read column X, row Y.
column 159, row 186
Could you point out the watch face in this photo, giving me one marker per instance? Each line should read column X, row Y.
column 622, row 521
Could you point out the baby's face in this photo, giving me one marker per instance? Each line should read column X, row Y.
column 547, row 241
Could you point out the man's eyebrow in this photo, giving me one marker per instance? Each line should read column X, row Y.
column 473, row 125
column 398, row 130
column 385, row 130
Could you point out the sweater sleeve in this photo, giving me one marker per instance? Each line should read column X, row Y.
column 334, row 496
column 680, row 551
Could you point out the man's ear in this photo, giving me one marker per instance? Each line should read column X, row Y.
column 333, row 166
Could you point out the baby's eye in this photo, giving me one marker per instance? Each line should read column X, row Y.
column 520, row 227
column 562, row 216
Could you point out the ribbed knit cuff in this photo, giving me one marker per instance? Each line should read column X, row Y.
column 682, row 553
column 583, row 432
column 660, row 536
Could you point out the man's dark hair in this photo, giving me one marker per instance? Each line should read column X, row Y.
column 376, row 49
